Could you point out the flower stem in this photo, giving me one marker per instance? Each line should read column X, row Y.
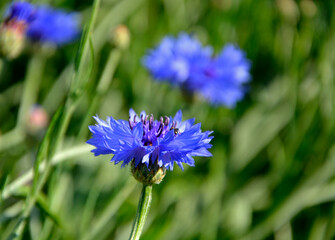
column 31, row 87
column 142, row 212
column 103, row 86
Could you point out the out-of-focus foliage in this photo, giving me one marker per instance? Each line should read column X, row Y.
column 273, row 166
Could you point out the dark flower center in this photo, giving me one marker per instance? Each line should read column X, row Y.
column 209, row 72
column 153, row 129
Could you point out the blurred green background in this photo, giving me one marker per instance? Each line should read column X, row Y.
column 273, row 166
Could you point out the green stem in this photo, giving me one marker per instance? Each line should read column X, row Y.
column 108, row 73
column 29, row 97
column 11, row 138
column 142, row 212
column 30, row 89
column 102, row 88
column 3, row 64
column 103, row 224
column 58, row 158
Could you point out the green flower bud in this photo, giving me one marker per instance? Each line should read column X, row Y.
column 153, row 174
column 121, row 37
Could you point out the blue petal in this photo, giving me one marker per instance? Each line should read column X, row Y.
column 185, row 125
column 177, row 118
column 201, row 152
column 146, row 159
column 138, row 130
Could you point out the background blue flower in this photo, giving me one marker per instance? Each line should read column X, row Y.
column 184, row 62
column 174, row 59
column 53, row 26
column 222, row 80
column 45, row 24
column 19, row 11
column 149, row 141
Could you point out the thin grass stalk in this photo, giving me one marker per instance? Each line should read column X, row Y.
column 102, row 88
column 30, row 88
column 103, row 224
column 29, row 97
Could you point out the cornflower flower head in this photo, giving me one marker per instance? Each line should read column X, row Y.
column 38, row 23
column 53, row 26
column 151, row 146
column 174, row 59
column 220, row 79
column 19, row 11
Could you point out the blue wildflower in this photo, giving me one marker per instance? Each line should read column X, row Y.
column 184, row 62
column 143, row 140
column 222, row 80
column 53, row 26
column 174, row 59
column 19, row 11
column 44, row 24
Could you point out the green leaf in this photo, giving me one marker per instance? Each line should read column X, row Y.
column 80, row 51
column 47, row 145
column 44, row 207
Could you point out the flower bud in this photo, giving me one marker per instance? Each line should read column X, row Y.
column 12, row 39
column 121, row 37
column 152, row 174
column 38, row 119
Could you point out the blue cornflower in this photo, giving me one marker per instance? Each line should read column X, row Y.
column 184, row 62
column 19, row 11
column 175, row 59
column 145, row 141
column 44, row 24
column 53, row 26
column 222, row 80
